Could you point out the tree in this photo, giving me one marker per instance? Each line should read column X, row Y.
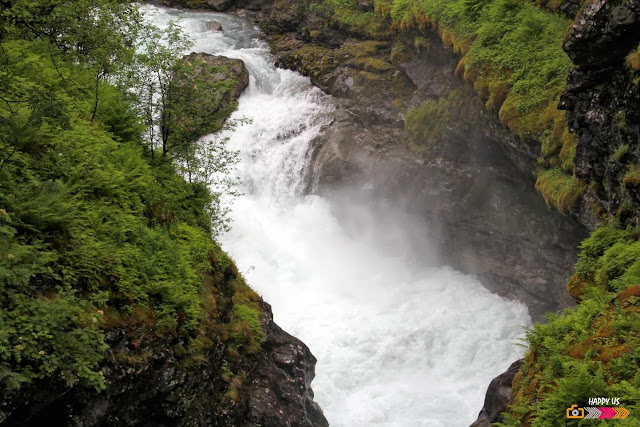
column 100, row 34
column 150, row 78
column 209, row 162
column 180, row 102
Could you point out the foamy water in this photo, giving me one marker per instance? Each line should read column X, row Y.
column 398, row 343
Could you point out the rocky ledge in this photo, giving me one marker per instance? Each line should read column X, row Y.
column 279, row 390
column 498, row 397
column 205, row 93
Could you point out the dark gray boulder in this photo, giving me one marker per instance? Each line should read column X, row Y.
column 498, row 397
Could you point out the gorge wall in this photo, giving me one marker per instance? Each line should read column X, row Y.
column 153, row 381
column 602, row 100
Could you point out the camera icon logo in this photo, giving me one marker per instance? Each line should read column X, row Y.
column 575, row 413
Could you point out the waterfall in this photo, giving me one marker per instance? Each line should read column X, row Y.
column 398, row 342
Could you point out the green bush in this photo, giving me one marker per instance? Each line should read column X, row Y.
column 246, row 328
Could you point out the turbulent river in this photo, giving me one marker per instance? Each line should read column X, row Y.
column 398, row 342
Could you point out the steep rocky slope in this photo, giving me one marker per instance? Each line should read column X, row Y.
column 597, row 351
column 152, row 380
column 602, row 101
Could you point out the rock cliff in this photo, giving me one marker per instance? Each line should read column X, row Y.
column 603, row 106
column 150, row 382
column 602, row 101
column 498, row 396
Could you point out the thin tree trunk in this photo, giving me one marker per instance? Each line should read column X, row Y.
column 95, row 104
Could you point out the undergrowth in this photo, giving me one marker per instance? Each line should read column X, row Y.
column 96, row 235
column 592, row 350
column 560, row 190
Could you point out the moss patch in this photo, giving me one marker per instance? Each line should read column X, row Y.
column 559, row 190
column 633, row 59
column 632, row 177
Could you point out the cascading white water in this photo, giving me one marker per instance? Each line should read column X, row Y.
column 398, row 343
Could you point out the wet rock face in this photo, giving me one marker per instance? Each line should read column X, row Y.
column 604, row 33
column 603, row 105
column 475, row 202
column 153, row 390
column 498, row 397
column 280, row 387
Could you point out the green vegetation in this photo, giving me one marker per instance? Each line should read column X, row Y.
column 346, row 14
column 632, row 177
column 633, row 59
column 559, row 190
column 592, row 350
column 98, row 230
column 246, row 331
column 506, row 43
column 512, row 54
column 425, row 123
